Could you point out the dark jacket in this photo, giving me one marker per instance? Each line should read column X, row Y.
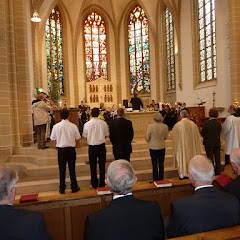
column 207, row 209
column 233, row 187
column 21, row 224
column 211, row 132
column 136, row 103
column 121, row 135
column 126, row 218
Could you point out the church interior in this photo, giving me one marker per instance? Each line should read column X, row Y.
column 102, row 51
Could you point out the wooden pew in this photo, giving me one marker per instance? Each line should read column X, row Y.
column 231, row 233
column 65, row 215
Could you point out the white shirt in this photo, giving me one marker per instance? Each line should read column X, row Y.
column 65, row 133
column 119, row 196
column 95, row 131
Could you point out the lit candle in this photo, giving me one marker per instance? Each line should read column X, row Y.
column 119, row 105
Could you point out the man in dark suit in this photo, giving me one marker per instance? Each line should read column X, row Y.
column 126, row 217
column 136, row 102
column 211, row 132
column 121, row 136
column 207, row 209
column 17, row 223
column 234, row 186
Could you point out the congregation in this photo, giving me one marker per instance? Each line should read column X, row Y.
column 207, row 209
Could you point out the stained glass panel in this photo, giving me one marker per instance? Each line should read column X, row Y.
column 54, row 54
column 171, row 80
column 138, row 51
column 95, row 47
column 207, row 42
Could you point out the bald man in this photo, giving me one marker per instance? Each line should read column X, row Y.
column 207, row 209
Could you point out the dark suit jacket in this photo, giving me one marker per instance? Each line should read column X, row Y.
column 136, row 103
column 21, row 224
column 207, row 209
column 233, row 187
column 121, row 135
column 126, row 218
column 211, row 133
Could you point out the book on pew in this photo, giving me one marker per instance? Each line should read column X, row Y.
column 162, row 183
column 103, row 190
column 222, row 180
column 29, row 198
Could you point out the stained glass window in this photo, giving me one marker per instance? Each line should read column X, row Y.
column 139, row 51
column 171, row 80
column 54, row 53
column 207, row 40
column 95, row 47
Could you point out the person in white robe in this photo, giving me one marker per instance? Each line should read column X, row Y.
column 231, row 132
column 187, row 143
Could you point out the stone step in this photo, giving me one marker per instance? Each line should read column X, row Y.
column 84, row 181
column 81, row 158
column 29, row 170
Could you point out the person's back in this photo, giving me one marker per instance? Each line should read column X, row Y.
column 126, row 217
column 21, row 224
column 207, row 209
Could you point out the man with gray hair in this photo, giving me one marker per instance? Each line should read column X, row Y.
column 126, row 217
column 17, row 223
column 207, row 209
column 234, row 186
column 186, row 143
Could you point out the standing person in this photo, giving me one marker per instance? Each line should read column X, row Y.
column 66, row 134
column 211, row 132
column 156, row 135
column 231, row 132
column 40, row 119
column 126, row 217
column 207, row 209
column 17, row 223
column 186, row 143
column 96, row 131
column 136, row 102
column 233, row 187
column 121, row 136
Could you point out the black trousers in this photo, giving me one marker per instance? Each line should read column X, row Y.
column 227, row 159
column 125, row 156
column 213, row 153
column 67, row 155
column 97, row 152
column 157, row 157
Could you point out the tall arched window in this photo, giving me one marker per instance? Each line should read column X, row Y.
column 54, row 53
column 207, row 40
column 139, row 51
column 95, row 47
column 171, row 79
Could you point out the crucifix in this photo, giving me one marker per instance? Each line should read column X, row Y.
column 213, row 98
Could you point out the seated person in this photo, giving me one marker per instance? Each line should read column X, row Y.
column 234, row 186
column 126, row 217
column 207, row 209
column 17, row 223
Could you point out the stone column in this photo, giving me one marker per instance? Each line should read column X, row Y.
column 234, row 40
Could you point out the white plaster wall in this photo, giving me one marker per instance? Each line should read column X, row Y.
column 222, row 89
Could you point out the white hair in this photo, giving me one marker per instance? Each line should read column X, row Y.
column 120, row 176
column 201, row 169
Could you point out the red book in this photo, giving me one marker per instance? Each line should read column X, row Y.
column 103, row 190
column 29, row 198
column 163, row 183
column 223, row 180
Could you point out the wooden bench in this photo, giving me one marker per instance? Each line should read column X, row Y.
column 65, row 215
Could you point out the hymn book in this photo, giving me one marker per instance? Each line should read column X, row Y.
column 162, row 183
column 103, row 190
column 29, row 198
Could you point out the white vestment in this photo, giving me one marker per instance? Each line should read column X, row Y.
column 186, row 144
column 231, row 133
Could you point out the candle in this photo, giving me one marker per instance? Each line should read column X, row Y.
column 160, row 106
column 119, row 105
